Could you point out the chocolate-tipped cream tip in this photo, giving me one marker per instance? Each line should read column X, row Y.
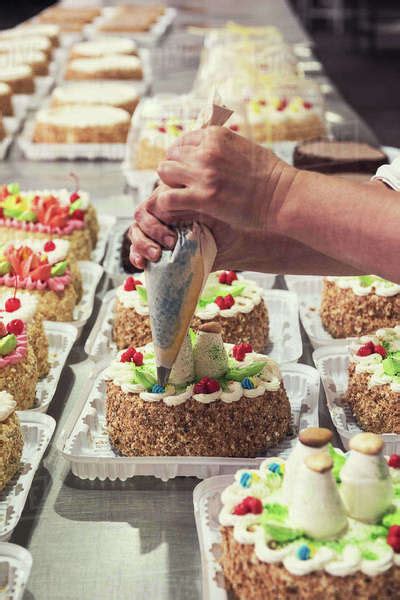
column 315, row 437
column 211, row 327
column 319, row 463
column 367, row 443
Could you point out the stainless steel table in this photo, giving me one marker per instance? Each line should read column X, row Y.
column 134, row 540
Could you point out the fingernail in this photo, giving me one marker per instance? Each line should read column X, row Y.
column 153, row 252
column 169, row 241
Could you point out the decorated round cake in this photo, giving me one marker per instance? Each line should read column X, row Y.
column 25, row 307
column 42, row 269
column 19, row 78
column 353, row 306
column 112, row 66
column 81, row 124
column 236, row 304
column 102, row 46
column 49, row 214
column 11, row 440
column 119, row 94
column 322, row 525
column 221, row 400
column 373, row 391
column 18, row 365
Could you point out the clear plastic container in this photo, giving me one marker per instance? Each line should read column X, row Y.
column 16, row 564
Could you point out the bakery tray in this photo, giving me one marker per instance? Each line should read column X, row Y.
column 106, row 226
column 37, row 430
column 85, row 445
column 309, row 291
column 61, row 338
column 15, row 568
column 332, row 363
column 91, row 275
column 285, row 345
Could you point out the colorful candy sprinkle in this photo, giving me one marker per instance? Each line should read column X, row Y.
column 245, row 480
column 157, row 389
column 274, row 468
column 247, row 384
column 303, row 552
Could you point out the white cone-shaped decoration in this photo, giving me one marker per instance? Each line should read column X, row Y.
column 183, row 370
column 315, row 506
column 366, row 488
column 311, row 441
column 210, row 357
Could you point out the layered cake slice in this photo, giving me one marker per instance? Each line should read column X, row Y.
column 81, row 124
column 221, row 400
column 119, row 94
column 331, row 156
column 237, row 305
column 373, row 391
column 353, row 306
column 11, row 440
column 111, row 66
column 18, row 366
column 49, row 214
column 322, row 525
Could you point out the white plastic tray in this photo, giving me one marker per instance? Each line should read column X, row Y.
column 85, row 445
column 91, row 275
column 61, row 338
column 148, row 38
column 17, row 563
column 309, row 291
column 106, row 226
column 332, row 363
column 37, row 430
column 285, row 339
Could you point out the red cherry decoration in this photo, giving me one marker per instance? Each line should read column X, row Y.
column 206, row 385
column 239, row 351
column 393, row 538
column 49, row 246
column 227, row 277
column 12, row 304
column 162, row 129
column 16, row 326
column 240, row 509
column 74, row 196
column 129, row 285
column 367, row 349
column 3, row 330
column 250, row 504
column 307, row 105
column 78, row 214
column 394, row 461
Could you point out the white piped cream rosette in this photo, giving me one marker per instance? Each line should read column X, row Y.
column 313, row 528
column 7, row 405
column 364, row 285
column 205, row 370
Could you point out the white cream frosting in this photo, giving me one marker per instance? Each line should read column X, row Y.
column 78, row 116
column 26, row 312
column 105, row 45
column 23, row 56
column 63, row 195
column 103, row 92
column 37, row 29
column 111, row 62
column 7, row 405
column 59, row 253
column 247, row 529
column 5, row 89
column 132, row 299
column 10, row 73
column 380, row 287
column 25, row 43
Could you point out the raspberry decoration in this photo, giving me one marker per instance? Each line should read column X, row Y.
column 73, row 197
column 131, row 355
column 393, row 538
column 225, row 302
column 307, row 105
column 78, row 214
column 371, row 348
column 49, row 246
column 12, row 304
column 3, row 330
column 239, row 351
column 162, row 129
column 250, row 504
column 227, row 277
column 16, row 326
column 206, row 386
column 131, row 283
column 394, row 461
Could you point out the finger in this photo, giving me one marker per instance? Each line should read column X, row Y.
column 185, row 144
column 155, row 230
column 173, row 205
column 144, row 246
column 137, row 260
column 175, row 174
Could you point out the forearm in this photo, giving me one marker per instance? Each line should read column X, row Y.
column 354, row 224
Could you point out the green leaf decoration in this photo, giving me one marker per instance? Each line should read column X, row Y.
column 238, row 373
column 75, row 205
column 377, row 531
column 367, row 280
column 144, row 377
column 281, row 533
column 28, row 216
column 278, row 512
column 192, row 336
column 391, row 366
column 338, row 462
column 141, row 290
column 212, row 293
column 391, row 519
column 13, row 188
column 59, row 269
column 369, row 555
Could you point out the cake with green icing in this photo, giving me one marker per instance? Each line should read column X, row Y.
column 220, row 400
column 354, row 306
column 321, row 525
column 373, row 391
column 236, row 304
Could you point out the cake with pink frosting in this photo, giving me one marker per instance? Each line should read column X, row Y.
column 49, row 214
column 11, row 440
column 18, row 365
column 42, row 269
column 236, row 304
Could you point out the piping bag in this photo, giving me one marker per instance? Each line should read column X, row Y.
column 175, row 282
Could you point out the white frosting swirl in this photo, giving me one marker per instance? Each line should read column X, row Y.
column 59, row 253
column 132, row 299
column 372, row 364
column 63, row 196
column 7, row 405
column 380, row 287
column 26, row 312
